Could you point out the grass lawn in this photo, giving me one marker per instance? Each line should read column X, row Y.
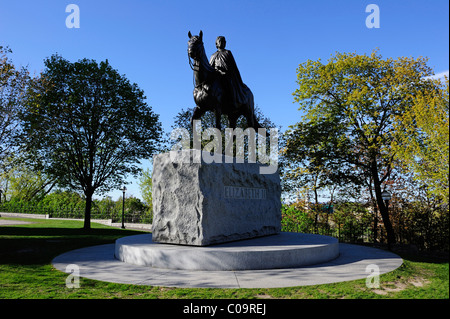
column 26, row 252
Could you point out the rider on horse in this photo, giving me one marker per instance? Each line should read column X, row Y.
column 223, row 62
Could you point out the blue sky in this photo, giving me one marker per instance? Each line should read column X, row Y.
column 147, row 41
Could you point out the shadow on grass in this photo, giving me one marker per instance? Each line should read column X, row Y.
column 63, row 232
column 411, row 253
column 37, row 244
column 434, row 257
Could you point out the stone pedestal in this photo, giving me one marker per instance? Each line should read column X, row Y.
column 284, row 250
column 199, row 203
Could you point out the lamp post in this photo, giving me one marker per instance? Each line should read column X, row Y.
column 386, row 196
column 123, row 189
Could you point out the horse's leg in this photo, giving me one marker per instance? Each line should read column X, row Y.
column 232, row 119
column 250, row 119
column 218, row 113
column 198, row 112
column 250, row 116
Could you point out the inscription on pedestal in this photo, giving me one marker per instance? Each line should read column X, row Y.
column 235, row 192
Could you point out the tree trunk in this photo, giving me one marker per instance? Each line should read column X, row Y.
column 87, row 211
column 375, row 213
column 316, row 208
column 383, row 208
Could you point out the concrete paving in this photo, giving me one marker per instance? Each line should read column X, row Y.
column 99, row 263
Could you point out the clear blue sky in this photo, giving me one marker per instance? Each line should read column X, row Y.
column 147, row 41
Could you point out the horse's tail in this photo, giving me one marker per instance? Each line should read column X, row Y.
column 251, row 105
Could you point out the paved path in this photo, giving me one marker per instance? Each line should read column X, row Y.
column 7, row 222
column 98, row 263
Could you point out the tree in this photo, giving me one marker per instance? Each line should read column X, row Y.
column 13, row 83
column 350, row 104
column 422, row 143
column 21, row 183
column 145, row 185
column 87, row 126
column 306, row 166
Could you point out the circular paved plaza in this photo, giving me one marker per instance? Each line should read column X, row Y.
column 354, row 262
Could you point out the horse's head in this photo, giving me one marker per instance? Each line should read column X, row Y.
column 195, row 45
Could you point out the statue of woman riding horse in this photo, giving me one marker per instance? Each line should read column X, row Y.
column 218, row 84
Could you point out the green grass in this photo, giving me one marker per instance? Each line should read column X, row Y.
column 26, row 272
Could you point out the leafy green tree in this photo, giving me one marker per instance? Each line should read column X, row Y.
column 351, row 218
column 350, row 104
column 58, row 200
column 145, row 185
column 25, row 184
column 296, row 220
column 135, row 210
column 13, row 84
column 87, row 126
column 105, row 206
column 305, row 165
column 422, row 143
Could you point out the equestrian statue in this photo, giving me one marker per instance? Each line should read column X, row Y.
column 218, row 84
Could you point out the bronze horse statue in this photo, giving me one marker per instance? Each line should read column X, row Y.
column 213, row 90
